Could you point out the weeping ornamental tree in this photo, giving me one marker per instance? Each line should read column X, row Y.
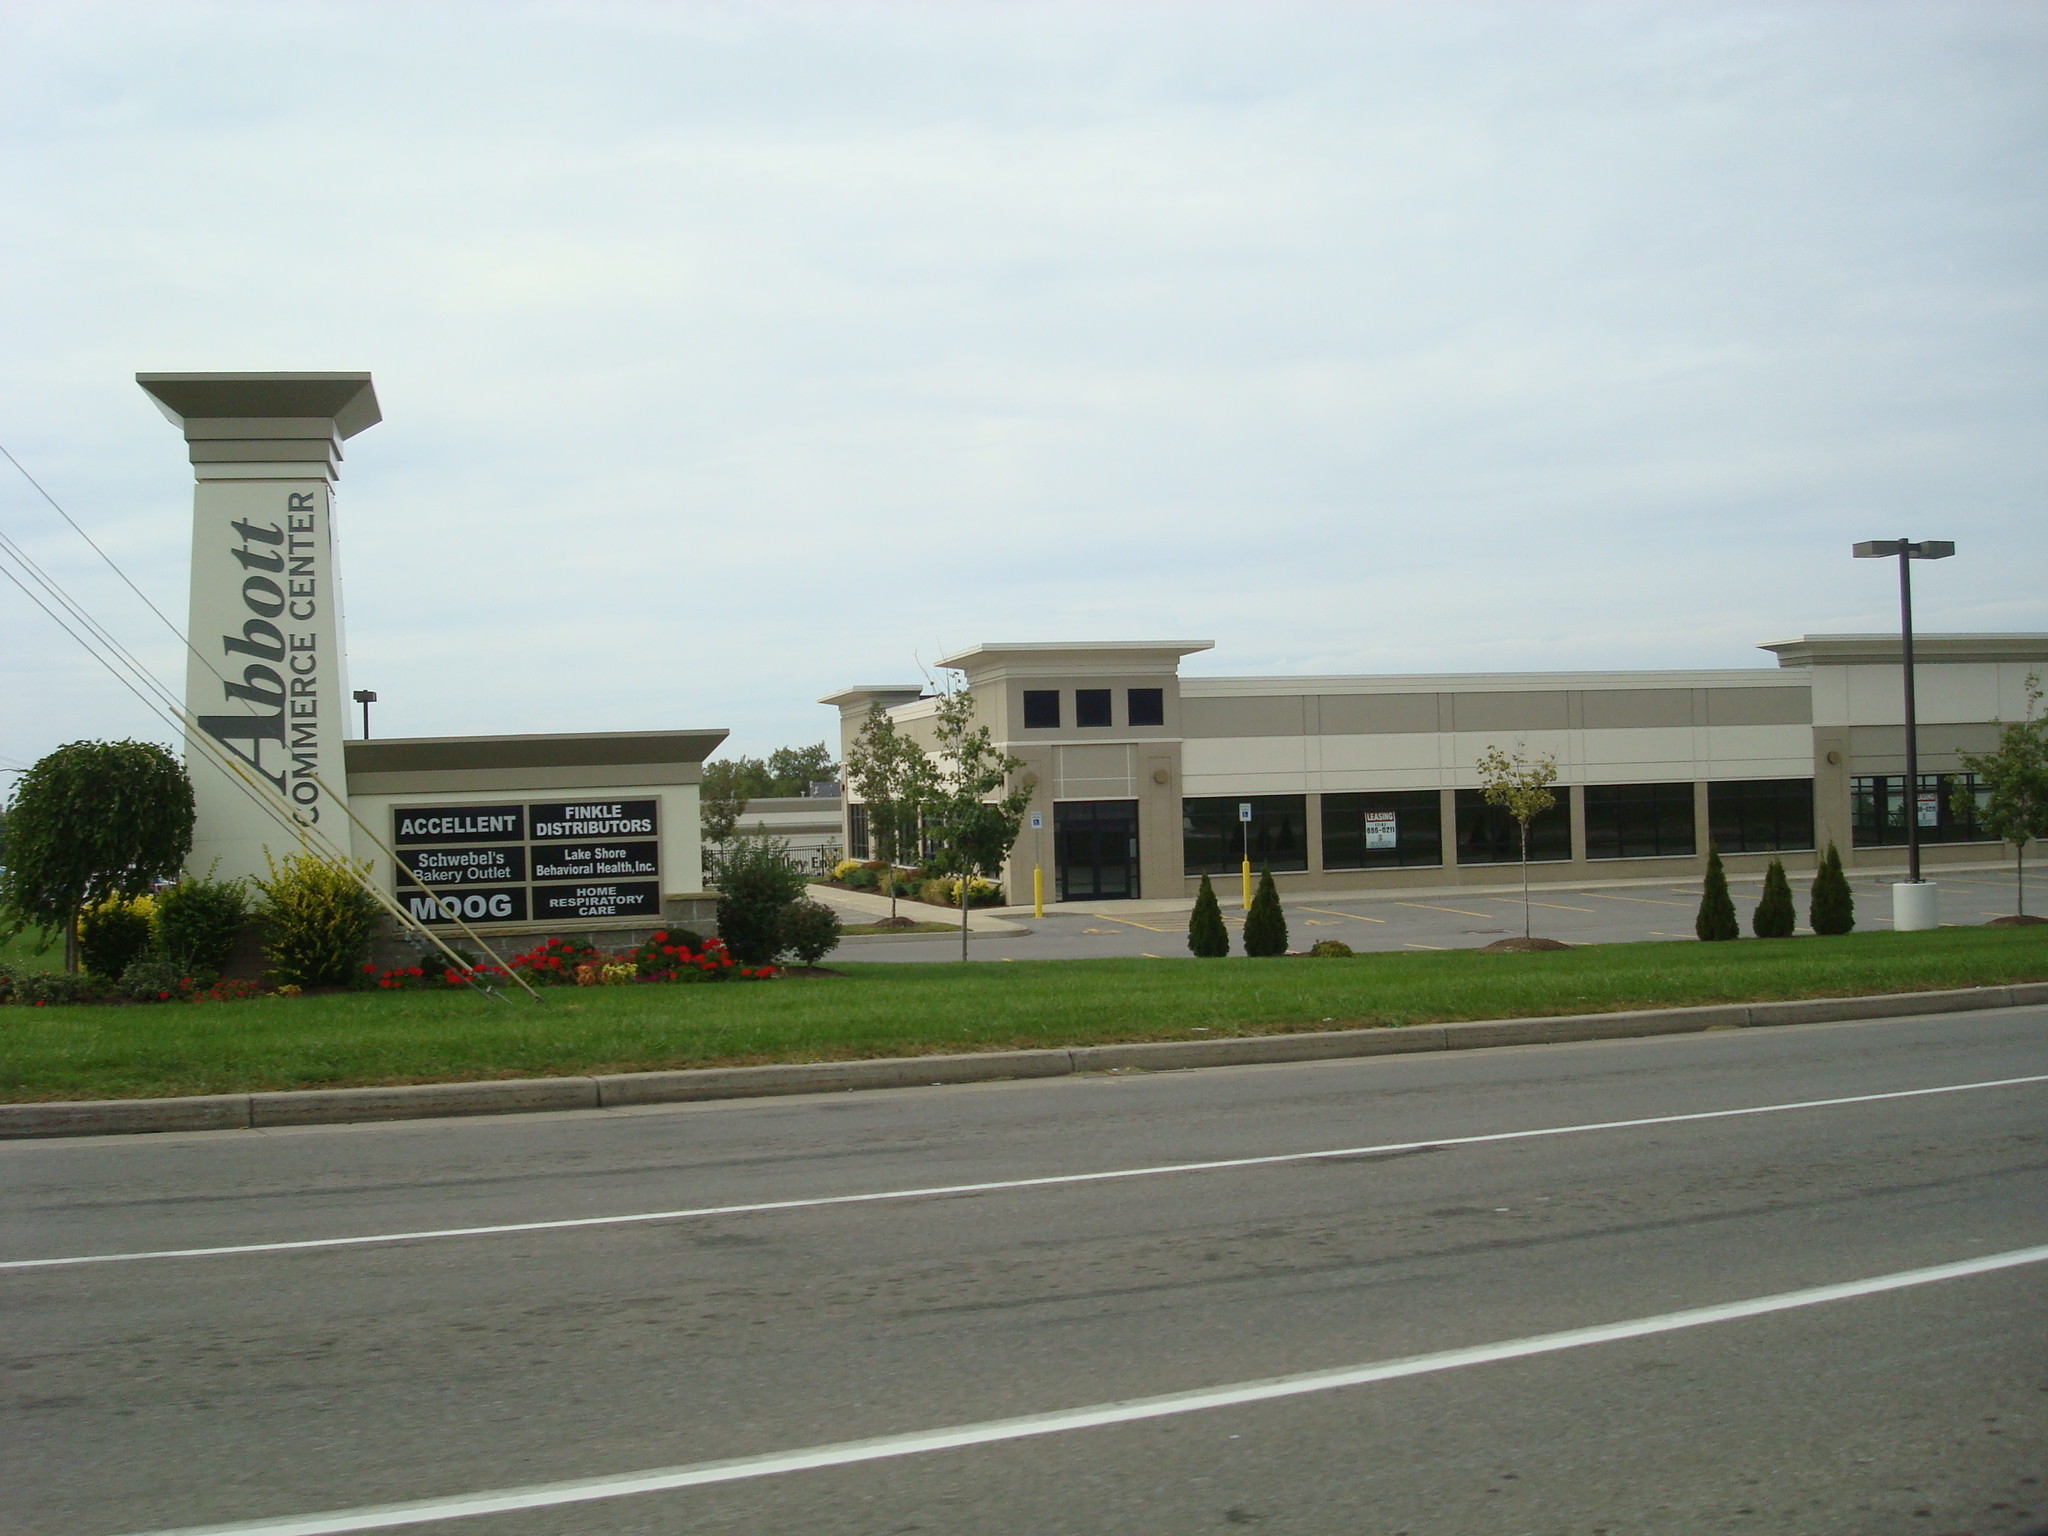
column 972, row 812
column 93, row 820
column 1521, row 785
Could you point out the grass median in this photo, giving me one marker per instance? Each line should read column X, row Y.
column 903, row 1010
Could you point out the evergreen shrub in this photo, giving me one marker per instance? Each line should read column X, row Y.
column 1331, row 949
column 39, row 988
column 1774, row 918
column 1716, row 920
column 1832, row 908
column 1265, row 925
column 154, row 979
column 112, row 936
column 320, row 920
column 810, row 930
column 198, row 921
column 1208, row 939
column 757, row 882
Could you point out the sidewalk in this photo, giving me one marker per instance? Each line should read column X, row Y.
column 865, row 907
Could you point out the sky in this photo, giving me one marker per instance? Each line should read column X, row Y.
column 731, row 354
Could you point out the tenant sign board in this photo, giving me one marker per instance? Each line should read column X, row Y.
column 552, row 861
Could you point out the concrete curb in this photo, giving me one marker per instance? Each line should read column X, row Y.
column 332, row 1106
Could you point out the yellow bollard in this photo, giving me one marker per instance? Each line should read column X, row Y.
column 1247, row 885
column 1037, row 891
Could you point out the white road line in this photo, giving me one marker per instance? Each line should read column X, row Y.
column 918, row 1442
column 994, row 1186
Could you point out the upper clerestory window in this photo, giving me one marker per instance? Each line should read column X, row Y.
column 1091, row 706
column 1041, row 709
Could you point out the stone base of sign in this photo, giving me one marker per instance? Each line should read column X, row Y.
column 395, row 946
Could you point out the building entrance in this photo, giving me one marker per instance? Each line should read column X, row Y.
column 1095, row 849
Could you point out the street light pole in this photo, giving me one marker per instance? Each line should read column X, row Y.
column 1907, row 552
column 365, row 698
column 1912, row 715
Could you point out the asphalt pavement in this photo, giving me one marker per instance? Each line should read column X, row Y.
column 1127, row 1236
column 1613, row 912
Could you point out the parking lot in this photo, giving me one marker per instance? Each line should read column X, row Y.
column 1429, row 919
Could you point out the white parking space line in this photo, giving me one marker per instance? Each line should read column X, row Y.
column 1130, row 1411
column 994, row 1186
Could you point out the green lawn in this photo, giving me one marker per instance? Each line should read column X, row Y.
column 19, row 954
column 893, row 1010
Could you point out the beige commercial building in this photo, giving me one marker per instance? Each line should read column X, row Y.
column 1143, row 779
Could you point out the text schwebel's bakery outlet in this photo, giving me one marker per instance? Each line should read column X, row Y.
column 556, row 861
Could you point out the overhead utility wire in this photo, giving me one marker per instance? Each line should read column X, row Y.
column 175, row 717
column 406, row 920
column 173, row 713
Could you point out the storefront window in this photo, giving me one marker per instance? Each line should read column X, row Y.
column 1639, row 821
column 1399, row 830
column 1878, row 810
column 1761, row 815
column 1487, row 834
column 1214, row 838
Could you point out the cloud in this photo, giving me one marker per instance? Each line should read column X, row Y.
column 732, row 353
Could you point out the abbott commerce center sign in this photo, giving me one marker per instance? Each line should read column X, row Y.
column 265, row 681
column 546, row 861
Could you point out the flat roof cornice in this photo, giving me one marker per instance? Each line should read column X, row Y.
column 430, row 754
column 1882, row 649
column 987, row 654
column 1493, row 682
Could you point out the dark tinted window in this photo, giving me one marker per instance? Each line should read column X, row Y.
column 1213, row 839
column 1877, row 809
column 1384, row 831
column 1639, row 821
column 1147, row 706
column 1041, row 709
column 856, row 832
column 1487, row 834
column 1091, row 706
column 1760, row 815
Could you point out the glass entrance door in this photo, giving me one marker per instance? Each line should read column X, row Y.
column 1095, row 849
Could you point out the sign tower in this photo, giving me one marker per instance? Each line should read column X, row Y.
column 266, row 678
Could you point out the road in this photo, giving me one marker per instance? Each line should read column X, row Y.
column 1607, row 913
column 167, row 1392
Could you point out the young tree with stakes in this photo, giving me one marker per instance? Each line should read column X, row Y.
column 888, row 775
column 92, row 820
column 971, row 819
column 2014, row 776
column 1521, row 784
